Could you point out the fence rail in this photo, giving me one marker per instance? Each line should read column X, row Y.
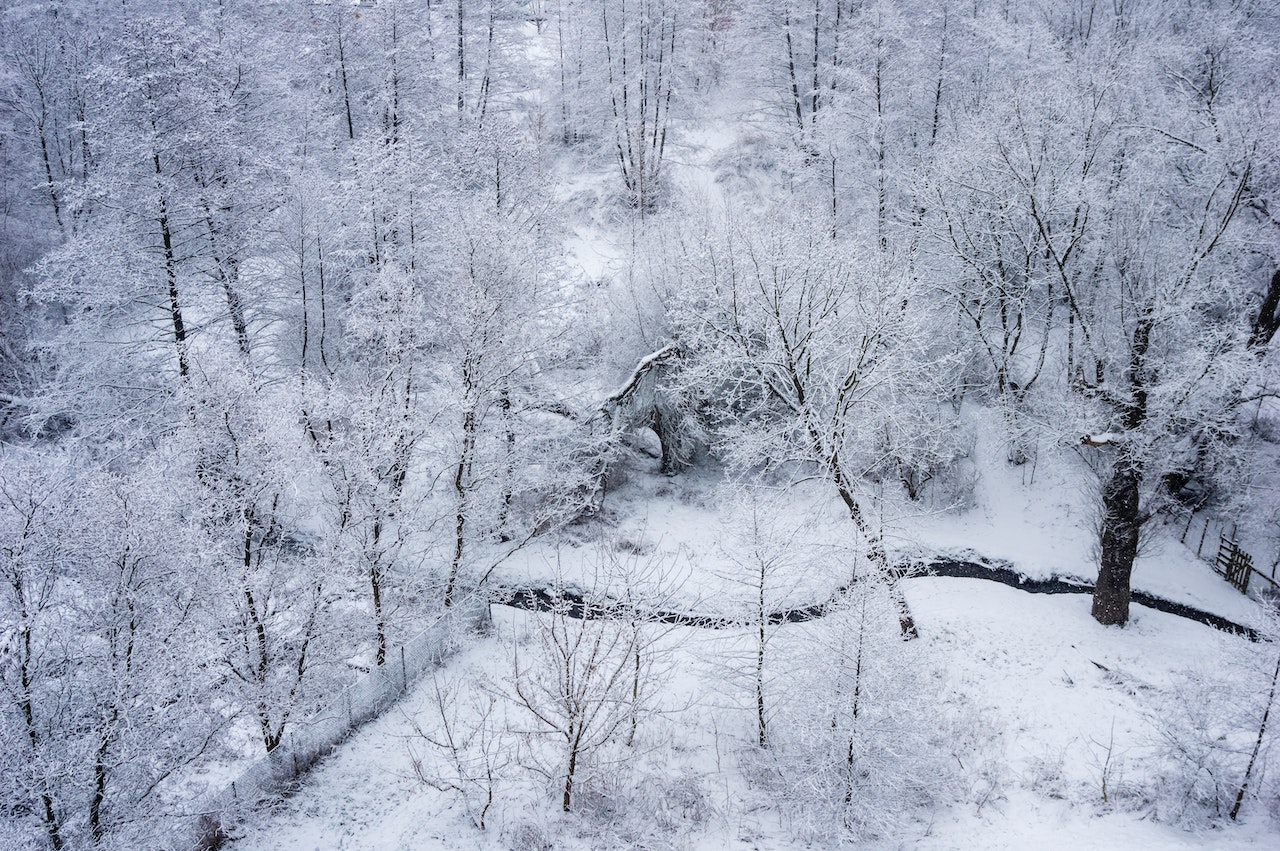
column 308, row 741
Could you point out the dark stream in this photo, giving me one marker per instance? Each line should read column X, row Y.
column 578, row 605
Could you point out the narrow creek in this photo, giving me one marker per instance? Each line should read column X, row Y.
column 579, row 605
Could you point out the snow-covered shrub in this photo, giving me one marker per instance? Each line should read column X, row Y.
column 1211, row 738
column 1045, row 775
column 459, row 746
column 1195, row 757
column 923, row 446
column 528, row 834
column 860, row 747
column 680, row 799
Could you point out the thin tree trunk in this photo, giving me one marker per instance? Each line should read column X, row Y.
column 52, row 827
column 851, row 756
column 761, row 617
column 508, row 494
column 813, row 96
column 937, row 94
column 565, row 136
column 346, row 88
column 567, row 799
column 324, row 311
column 791, row 71
column 483, row 106
column 882, row 194
column 48, row 173
column 375, row 589
column 228, row 277
column 1257, row 743
column 461, row 484
column 171, row 276
column 875, row 549
column 462, row 64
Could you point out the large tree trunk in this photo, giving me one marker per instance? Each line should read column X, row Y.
column 1120, row 526
column 1122, row 516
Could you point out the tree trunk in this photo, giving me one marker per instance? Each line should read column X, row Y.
column 876, row 553
column 462, row 62
column 228, row 275
column 375, row 588
column 171, row 276
column 1120, row 526
column 791, row 71
column 1121, row 498
column 461, row 486
column 762, row 730
column 346, row 88
column 1267, row 321
column 99, row 795
column 1257, row 744
column 52, row 825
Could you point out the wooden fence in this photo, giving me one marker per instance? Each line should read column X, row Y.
column 1236, row 566
column 1232, row 562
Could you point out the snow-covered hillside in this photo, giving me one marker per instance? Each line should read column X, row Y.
column 836, row 406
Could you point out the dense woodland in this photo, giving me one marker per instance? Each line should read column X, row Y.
column 302, row 336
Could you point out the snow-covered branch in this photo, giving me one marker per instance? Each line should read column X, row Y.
column 642, row 368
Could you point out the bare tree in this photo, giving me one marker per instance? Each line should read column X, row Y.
column 847, row 753
column 462, row 730
column 639, row 40
column 812, row 344
column 590, row 675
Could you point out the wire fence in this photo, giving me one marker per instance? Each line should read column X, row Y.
column 305, row 743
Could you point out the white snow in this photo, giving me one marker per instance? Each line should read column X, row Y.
column 1048, row 691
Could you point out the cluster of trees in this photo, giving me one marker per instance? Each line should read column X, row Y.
column 586, row 708
column 281, row 307
column 288, row 349
column 1076, row 196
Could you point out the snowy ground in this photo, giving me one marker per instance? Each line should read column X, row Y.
column 1044, row 704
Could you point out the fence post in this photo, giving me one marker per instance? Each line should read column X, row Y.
column 404, row 671
column 1203, row 532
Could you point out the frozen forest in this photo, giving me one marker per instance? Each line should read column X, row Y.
column 664, row 424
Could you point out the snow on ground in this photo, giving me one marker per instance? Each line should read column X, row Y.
column 1062, row 690
column 687, row 538
column 1041, row 517
column 1052, row 686
column 1047, row 693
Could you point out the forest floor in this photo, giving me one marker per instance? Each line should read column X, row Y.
column 1058, row 730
